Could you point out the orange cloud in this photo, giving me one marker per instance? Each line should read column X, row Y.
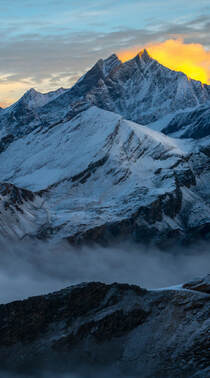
column 192, row 58
column 10, row 91
column 6, row 102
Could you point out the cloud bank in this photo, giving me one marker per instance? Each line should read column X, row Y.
column 191, row 58
column 28, row 269
column 49, row 56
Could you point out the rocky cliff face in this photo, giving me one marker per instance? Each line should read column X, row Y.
column 122, row 330
column 145, row 91
column 20, row 212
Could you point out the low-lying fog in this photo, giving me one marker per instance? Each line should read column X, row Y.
column 36, row 268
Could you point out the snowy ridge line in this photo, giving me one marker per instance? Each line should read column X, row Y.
column 141, row 90
column 104, row 176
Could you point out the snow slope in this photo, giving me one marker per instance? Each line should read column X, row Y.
column 106, row 177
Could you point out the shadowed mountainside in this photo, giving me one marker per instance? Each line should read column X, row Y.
column 123, row 328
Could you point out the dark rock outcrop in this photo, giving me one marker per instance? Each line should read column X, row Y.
column 118, row 326
column 202, row 284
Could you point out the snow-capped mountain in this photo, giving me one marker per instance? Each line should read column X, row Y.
column 144, row 91
column 33, row 99
column 90, row 164
column 115, row 330
column 15, row 119
column 141, row 90
column 105, row 177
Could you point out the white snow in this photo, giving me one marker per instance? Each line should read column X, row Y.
column 115, row 159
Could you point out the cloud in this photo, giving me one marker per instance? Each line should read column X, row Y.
column 192, row 58
column 57, row 56
column 36, row 268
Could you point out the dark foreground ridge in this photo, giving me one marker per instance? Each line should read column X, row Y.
column 120, row 329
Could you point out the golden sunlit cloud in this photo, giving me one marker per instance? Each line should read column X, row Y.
column 6, row 102
column 11, row 91
column 192, row 58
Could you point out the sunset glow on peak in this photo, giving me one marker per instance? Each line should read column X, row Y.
column 191, row 59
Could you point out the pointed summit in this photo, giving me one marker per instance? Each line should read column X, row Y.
column 31, row 92
column 110, row 63
column 144, row 55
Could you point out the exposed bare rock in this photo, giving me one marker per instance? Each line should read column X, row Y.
column 21, row 212
column 202, row 284
column 129, row 330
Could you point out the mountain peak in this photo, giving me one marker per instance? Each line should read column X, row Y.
column 111, row 59
column 144, row 55
column 31, row 92
column 111, row 62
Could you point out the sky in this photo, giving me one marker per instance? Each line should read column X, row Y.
column 47, row 44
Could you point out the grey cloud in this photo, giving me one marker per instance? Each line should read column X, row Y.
column 53, row 56
column 37, row 268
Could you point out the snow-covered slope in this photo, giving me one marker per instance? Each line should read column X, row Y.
column 106, row 177
column 187, row 124
column 97, row 330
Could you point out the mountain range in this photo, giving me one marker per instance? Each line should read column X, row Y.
column 124, row 153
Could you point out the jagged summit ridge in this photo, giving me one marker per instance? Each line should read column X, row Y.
column 32, row 98
column 110, row 63
column 141, row 90
column 144, row 56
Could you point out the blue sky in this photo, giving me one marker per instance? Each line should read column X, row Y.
column 50, row 16
column 49, row 43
